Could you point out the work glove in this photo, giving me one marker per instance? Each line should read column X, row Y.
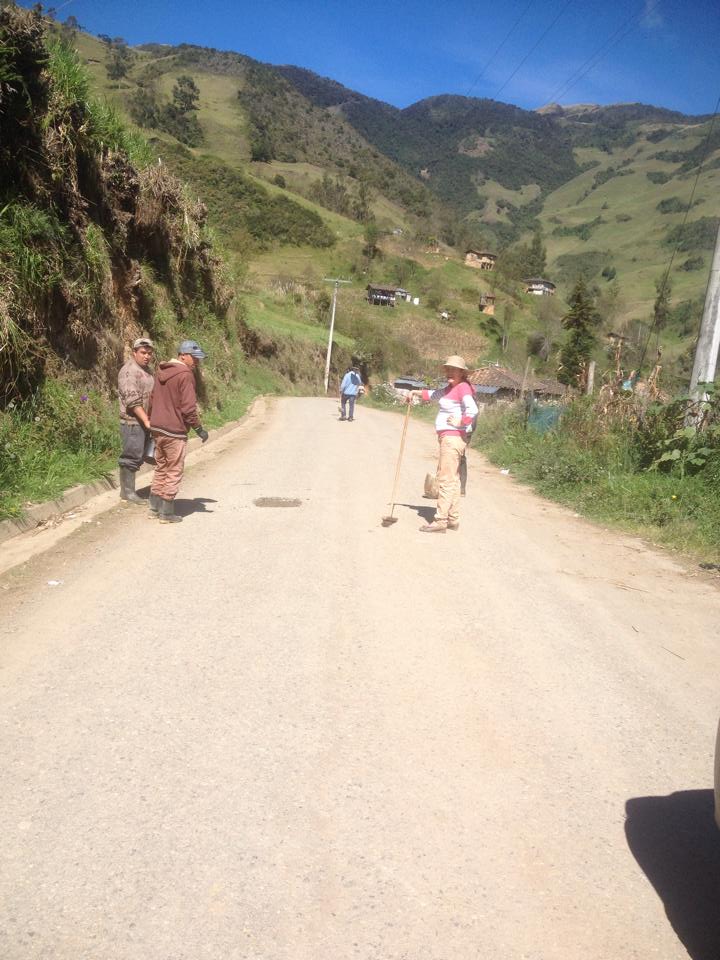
column 202, row 433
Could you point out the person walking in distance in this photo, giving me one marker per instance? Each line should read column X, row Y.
column 349, row 389
column 456, row 412
column 135, row 383
column 173, row 411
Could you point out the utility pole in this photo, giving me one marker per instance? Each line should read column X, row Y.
column 706, row 352
column 337, row 283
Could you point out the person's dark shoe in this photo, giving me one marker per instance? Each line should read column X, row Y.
column 167, row 512
column 343, row 418
column 154, row 505
column 127, row 486
column 350, row 419
column 437, row 526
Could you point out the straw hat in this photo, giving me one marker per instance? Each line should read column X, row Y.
column 457, row 362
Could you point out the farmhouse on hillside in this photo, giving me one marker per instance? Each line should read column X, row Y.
column 481, row 259
column 539, row 287
column 487, row 304
column 381, row 296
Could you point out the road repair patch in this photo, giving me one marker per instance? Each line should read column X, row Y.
column 277, row 502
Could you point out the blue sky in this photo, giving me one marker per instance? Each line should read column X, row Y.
column 526, row 52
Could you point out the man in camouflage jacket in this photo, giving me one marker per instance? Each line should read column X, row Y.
column 135, row 383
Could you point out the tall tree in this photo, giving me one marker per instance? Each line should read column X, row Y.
column 537, row 256
column 507, row 322
column 120, row 58
column 581, row 323
column 185, row 94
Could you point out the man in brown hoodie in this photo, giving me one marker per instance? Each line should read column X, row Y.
column 173, row 410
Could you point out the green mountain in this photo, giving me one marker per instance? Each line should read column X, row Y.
column 609, row 186
column 295, row 168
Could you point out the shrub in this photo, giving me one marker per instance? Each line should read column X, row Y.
column 697, row 235
column 671, row 205
column 693, row 263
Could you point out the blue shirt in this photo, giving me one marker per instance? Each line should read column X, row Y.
column 351, row 383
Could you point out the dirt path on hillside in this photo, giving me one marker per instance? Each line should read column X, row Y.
column 288, row 733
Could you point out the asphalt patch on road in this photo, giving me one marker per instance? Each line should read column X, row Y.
column 277, row 502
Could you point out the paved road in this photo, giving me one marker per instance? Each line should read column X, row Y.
column 291, row 734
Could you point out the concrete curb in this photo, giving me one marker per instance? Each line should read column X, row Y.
column 77, row 496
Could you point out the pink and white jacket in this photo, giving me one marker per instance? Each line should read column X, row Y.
column 457, row 401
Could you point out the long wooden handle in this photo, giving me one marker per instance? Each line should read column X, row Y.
column 400, row 456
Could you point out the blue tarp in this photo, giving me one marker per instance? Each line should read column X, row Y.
column 544, row 418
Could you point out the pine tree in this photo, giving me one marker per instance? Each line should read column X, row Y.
column 537, row 256
column 581, row 323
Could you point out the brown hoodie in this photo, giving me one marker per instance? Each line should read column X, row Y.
column 173, row 402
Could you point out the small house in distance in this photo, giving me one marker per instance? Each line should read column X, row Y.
column 481, row 259
column 487, row 304
column 539, row 287
column 380, row 296
column 493, row 384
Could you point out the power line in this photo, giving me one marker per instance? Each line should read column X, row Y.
column 499, row 48
column 534, row 47
column 597, row 56
column 663, row 285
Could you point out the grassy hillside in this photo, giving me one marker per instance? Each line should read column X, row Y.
column 607, row 186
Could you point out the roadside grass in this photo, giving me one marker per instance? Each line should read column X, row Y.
column 60, row 437
column 64, row 436
column 599, row 474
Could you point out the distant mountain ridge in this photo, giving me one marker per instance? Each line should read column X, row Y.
column 608, row 186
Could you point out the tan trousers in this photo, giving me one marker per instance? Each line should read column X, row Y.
column 452, row 449
column 170, row 462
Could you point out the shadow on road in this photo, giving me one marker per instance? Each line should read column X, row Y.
column 677, row 844
column 184, row 508
column 427, row 513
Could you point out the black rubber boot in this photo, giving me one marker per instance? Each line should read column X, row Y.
column 154, row 505
column 127, row 486
column 167, row 512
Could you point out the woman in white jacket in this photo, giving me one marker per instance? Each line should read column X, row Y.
column 456, row 412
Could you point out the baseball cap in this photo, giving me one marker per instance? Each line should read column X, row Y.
column 193, row 348
column 143, row 342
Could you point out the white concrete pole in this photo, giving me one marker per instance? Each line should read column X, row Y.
column 336, row 283
column 590, row 385
column 706, row 352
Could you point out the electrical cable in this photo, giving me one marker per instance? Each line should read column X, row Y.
column 597, row 56
column 534, row 47
column 663, row 285
column 498, row 49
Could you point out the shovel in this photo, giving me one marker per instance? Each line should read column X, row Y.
column 389, row 520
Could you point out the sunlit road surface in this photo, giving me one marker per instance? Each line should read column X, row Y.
column 288, row 733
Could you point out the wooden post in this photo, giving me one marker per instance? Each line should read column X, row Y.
column 525, row 378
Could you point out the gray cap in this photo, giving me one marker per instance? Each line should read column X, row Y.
column 193, row 348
